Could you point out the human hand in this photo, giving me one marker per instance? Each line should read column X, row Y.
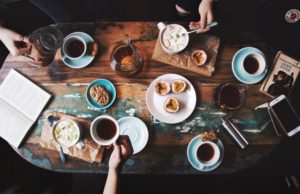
column 122, row 151
column 206, row 16
column 14, row 42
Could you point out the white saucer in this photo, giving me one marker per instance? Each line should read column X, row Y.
column 82, row 61
column 192, row 154
column 237, row 62
column 137, row 131
column 187, row 100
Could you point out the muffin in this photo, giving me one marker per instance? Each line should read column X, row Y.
column 162, row 88
column 171, row 105
column 178, row 86
column 99, row 95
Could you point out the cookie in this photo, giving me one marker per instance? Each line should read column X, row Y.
column 99, row 95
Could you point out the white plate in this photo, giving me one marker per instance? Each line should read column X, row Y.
column 187, row 101
column 192, row 154
column 137, row 131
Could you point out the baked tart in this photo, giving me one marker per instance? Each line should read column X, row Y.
column 178, row 86
column 171, row 105
column 199, row 57
column 162, row 88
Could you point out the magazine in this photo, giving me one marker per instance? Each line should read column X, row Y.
column 282, row 77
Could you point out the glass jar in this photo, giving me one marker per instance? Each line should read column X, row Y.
column 229, row 96
column 45, row 42
column 126, row 59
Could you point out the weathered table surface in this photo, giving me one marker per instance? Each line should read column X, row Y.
column 165, row 152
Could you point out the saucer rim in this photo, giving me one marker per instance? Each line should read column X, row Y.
column 86, row 58
column 144, row 129
column 244, row 79
column 206, row 168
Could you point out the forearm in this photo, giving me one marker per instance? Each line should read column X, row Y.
column 111, row 185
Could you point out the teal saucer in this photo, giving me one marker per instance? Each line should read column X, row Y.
column 237, row 63
column 83, row 61
column 192, row 154
column 110, row 88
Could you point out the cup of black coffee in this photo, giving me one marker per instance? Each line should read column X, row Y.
column 105, row 130
column 208, row 153
column 254, row 64
column 74, row 47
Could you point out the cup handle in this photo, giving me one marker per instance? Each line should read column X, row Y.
column 161, row 26
column 80, row 144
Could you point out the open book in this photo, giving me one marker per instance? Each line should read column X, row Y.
column 21, row 103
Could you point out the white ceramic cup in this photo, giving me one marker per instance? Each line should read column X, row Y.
column 100, row 140
column 214, row 159
column 77, row 142
column 68, row 41
column 161, row 26
column 261, row 65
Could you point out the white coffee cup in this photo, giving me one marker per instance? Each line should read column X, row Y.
column 95, row 130
column 61, row 133
column 74, row 47
column 210, row 154
column 260, row 60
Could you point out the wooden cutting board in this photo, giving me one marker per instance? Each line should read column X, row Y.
column 210, row 44
column 92, row 152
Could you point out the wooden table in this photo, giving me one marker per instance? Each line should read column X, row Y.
column 166, row 149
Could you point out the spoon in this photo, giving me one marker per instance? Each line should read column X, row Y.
column 52, row 120
column 207, row 26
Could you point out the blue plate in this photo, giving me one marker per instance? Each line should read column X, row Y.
column 110, row 88
column 192, row 154
column 82, row 61
column 237, row 63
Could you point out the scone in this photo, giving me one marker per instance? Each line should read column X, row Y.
column 162, row 87
column 171, row 105
column 100, row 95
column 178, row 86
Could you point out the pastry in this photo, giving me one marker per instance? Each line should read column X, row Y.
column 162, row 87
column 171, row 105
column 178, row 86
column 99, row 95
column 209, row 136
column 199, row 57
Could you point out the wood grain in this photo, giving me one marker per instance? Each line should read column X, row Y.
column 166, row 149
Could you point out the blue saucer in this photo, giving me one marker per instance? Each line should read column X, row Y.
column 192, row 154
column 237, row 62
column 82, row 61
column 110, row 88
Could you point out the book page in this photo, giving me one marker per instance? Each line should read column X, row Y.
column 23, row 95
column 13, row 124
